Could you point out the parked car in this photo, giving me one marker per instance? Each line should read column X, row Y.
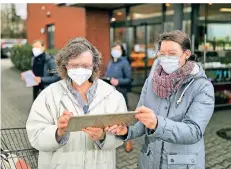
column 7, row 44
column 3, row 54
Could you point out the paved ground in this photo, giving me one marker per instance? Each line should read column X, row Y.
column 17, row 99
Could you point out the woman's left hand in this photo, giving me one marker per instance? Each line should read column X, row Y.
column 37, row 79
column 147, row 117
column 94, row 134
column 114, row 82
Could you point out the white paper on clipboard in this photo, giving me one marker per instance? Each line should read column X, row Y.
column 77, row 123
column 29, row 78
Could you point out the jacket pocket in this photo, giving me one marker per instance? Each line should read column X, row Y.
column 171, row 148
column 145, row 157
column 63, row 166
column 101, row 159
column 143, row 161
column 181, row 161
column 67, row 160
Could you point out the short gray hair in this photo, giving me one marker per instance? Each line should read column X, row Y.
column 73, row 49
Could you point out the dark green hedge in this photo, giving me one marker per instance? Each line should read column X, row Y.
column 21, row 56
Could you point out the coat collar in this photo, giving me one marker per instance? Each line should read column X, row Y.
column 103, row 90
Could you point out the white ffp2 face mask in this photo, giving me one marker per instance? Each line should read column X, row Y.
column 79, row 75
column 169, row 63
column 37, row 51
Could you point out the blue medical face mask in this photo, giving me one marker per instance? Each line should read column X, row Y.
column 116, row 53
column 169, row 63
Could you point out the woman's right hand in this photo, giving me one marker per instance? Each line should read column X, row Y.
column 118, row 130
column 22, row 78
column 114, row 82
column 62, row 124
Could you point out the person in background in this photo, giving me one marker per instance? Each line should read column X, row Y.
column 175, row 107
column 81, row 92
column 43, row 67
column 120, row 74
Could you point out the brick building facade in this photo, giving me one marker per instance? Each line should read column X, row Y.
column 57, row 25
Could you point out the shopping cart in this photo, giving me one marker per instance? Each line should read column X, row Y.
column 16, row 151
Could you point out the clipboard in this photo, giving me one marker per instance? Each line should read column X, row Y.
column 77, row 123
column 29, row 78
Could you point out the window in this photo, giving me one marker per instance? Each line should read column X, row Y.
column 168, row 24
column 215, row 21
column 187, row 19
column 169, row 10
column 219, row 26
column 51, row 36
column 119, row 34
column 219, row 12
column 130, row 38
column 219, row 32
column 139, row 38
column 152, row 33
column 187, row 26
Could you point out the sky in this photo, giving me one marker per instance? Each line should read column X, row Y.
column 21, row 10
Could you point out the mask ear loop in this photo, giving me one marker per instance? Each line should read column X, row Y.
column 157, row 54
column 187, row 58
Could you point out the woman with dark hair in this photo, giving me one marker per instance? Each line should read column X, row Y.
column 119, row 72
column 175, row 106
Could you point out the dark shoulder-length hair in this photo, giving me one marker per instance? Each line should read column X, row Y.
column 124, row 53
column 121, row 46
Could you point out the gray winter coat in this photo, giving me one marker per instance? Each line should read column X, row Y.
column 178, row 141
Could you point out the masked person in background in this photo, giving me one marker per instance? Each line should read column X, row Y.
column 120, row 74
column 80, row 92
column 175, row 106
column 43, row 67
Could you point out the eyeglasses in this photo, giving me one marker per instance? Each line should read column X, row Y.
column 169, row 54
column 85, row 66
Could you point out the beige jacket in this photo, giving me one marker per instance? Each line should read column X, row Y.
column 79, row 152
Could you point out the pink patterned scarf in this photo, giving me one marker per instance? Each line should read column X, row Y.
column 164, row 84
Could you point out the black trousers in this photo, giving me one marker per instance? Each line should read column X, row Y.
column 36, row 91
column 124, row 92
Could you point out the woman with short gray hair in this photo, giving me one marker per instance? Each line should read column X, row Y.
column 80, row 92
column 71, row 51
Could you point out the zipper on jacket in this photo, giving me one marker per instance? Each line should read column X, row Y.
column 161, row 157
column 162, row 147
column 84, row 164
